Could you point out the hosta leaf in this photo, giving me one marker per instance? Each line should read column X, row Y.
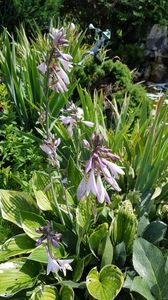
column 16, row 245
column 66, row 293
column 140, row 286
column 30, row 222
column 39, row 254
column 124, row 226
column 107, row 253
column 97, row 240
column 155, row 231
column 83, row 211
column 149, row 263
column 106, row 284
column 78, row 270
column 16, row 276
column 42, row 200
column 45, row 292
column 13, row 202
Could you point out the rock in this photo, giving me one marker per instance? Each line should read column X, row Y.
column 157, row 39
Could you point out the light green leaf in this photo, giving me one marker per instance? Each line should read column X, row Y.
column 66, row 293
column 17, row 276
column 42, row 200
column 16, row 245
column 13, row 202
column 30, row 222
column 83, row 211
column 97, row 240
column 39, row 254
column 140, row 286
column 107, row 253
column 45, row 292
column 106, row 284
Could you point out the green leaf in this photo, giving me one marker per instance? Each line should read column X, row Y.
column 66, row 293
column 45, row 292
column 83, row 211
column 78, row 270
column 120, row 254
column 140, row 286
column 13, row 202
column 155, row 231
column 30, row 222
column 17, row 276
column 39, row 254
column 107, row 253
column 97, row 239
column 149, row 263
column 42, row 200
column 124, row 226
column 16, row 245
column 106, row 284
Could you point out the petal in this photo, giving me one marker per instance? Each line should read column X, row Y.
column 52, row 266
column 61, row 73
column 88, row 165
column 88, row 123
column 85, row 144
column 82, row 188
column 91, row 185
column 115, row 169
column 100, row 190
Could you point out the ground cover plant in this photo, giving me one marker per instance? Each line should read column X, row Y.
column 93, row 223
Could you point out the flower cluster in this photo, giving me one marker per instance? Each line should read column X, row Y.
column 50, row 146
column 71, row 116
column 99, row 164
column 47, row 234
column 52, row 239
column 58, row 63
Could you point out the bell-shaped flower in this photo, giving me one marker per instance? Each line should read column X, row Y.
column 99, row 165
column 56, row 265
column 58, row 64
column 50, row 146
column 71, row 116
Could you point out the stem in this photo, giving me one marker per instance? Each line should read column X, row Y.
column 46, row 89
column 57, row 205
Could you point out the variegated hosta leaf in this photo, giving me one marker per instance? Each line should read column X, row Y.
column 16, row 276
column 106, row 284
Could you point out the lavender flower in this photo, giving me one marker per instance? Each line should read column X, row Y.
column 49, row 147
column 47, row 234
column 98, row 165
column 56, row 265
column 71, row 116
column 58, row 63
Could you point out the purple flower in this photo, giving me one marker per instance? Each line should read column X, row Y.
column 99, row 165
column 71, row 116
column 49, row 147
column 59, row 63
column 56, row 265
column 47, row 234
